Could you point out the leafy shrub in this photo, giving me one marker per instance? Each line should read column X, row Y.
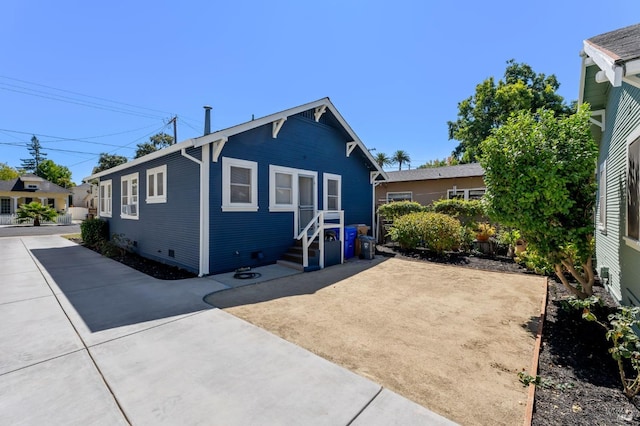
column 118, row 246
column 396, row 209
column 36, row 212
column 437, row 232
column 533, row 261
column 465, row 211
column 94, row 232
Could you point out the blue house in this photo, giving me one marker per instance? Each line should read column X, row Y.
column 243, row 196
column 610, row 83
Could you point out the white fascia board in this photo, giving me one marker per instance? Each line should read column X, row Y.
column 157, row 154
column 249, row 125
column 583, row 73
column 606, row 63
column 632, row 68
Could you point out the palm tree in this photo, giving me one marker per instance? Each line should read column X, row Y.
column 400, row 157
column 382, row 159
column 35, row 211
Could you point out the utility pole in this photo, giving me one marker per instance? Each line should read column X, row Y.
column 175, row 129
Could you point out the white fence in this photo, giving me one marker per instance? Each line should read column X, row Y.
column 78, row 213
column 12, row 219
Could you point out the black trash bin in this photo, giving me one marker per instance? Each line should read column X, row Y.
column 367, row 247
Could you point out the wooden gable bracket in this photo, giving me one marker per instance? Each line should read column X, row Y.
column 350, row 147
column 317, row 113
column 217, row 148
column 601, row 123
column 373, row 177
column 276, row 126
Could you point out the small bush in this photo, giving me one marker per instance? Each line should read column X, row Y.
column 392, row 211
column 532, row 260
column 94, row 232
column 435, row 231
column 467, row 212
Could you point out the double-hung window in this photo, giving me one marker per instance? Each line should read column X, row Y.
column 157, row 185
column 399, row 196
column 602, row 197
column 105, row 198
column 633, row 189
column 332, row 191
column 282, row 187
column 239, row 185
column 129, row 196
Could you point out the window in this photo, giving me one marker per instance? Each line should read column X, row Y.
column 281, row 188
column 105, row 198
column 399, row 196
column 5, row 206
column 157, row 185
column 332, row 191
column 602, row 197
column 466, row 194
column 633, row 190
column 51, row 202
column 129, row 196
column 239, row 185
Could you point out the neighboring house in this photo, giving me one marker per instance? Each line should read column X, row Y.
column 83, row 196
column 28, row 188
column 240, row 196
column 610, row 84
column 425, row 186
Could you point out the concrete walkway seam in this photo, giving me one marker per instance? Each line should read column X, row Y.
column 104, row 380
column 41, row 362
column 365, row 406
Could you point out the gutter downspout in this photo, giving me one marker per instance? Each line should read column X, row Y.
column 204, row 207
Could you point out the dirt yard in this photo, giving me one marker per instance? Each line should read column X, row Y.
column 451, row 339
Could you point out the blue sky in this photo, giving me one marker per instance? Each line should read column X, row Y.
column 395, row 70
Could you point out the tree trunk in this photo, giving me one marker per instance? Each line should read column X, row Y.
column 36, row 221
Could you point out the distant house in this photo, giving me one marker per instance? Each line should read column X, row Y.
column 28, row 188
column 610, row 83
column 464, row 181
column 243, row 196
column 83, row 196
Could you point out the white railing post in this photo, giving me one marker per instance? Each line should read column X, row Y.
column 321, row 239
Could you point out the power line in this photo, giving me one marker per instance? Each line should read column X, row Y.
column 62, row 139
column 87, row 96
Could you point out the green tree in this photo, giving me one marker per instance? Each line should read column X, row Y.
column 156, row 142
column 108, row 161
column 383, row 159
column 449, row 161
column 37, row 156
column 540, row 178
column 60, row 175
column 7, row 172
column 35, row 211
column 492, row 104
column 400, row 157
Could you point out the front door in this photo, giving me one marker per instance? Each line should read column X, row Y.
column 306, row 200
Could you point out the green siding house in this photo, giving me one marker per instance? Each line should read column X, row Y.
column 610, row 83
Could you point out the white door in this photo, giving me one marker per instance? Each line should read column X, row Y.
column 306, row 200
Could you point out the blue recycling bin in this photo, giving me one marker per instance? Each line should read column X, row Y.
column 350, row 234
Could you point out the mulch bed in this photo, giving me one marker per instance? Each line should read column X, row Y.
column 579, row 381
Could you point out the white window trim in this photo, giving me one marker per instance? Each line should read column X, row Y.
column 326, row 177
column 128, row 179
column 399, row 192
column 602, row 197
column 465, row 191
column 156, row 199
column 273, row 207
column 107, row 184
column 631, row 242
column 227, row 205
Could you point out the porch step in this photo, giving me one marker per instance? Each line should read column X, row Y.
column 292, row 265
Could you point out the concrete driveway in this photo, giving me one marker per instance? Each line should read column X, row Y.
column 86, row 340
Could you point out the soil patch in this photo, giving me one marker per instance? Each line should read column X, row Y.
column 449, row 338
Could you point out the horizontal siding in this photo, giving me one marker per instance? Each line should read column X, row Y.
column 173, row 225
column 302, row 144
column 623, row 117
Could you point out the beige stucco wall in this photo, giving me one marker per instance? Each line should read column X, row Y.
column 426, row 192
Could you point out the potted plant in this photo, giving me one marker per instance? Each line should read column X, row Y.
column 484, row 231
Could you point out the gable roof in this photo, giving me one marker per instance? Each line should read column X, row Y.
column 617, row 55
column 18, row 185
column 447, row 172
column 220, row 137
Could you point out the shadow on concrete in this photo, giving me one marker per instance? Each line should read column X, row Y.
column 295, row 285
column 107, row 294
